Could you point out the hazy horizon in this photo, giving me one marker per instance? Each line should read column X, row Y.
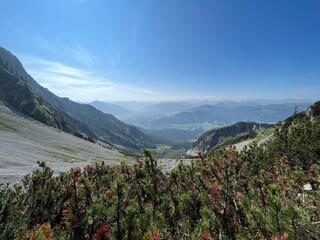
column 151, row 51
column 215, row 101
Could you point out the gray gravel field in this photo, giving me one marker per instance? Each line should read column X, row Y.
column 23, row 142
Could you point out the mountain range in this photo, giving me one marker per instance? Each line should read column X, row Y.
column 165, row 122
column 20, row 91
column 185, row 121
column 223, row 112
column 246, row 132
column 223, row 116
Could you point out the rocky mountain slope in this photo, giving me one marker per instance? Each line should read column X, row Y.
column 24, row 141
column 238, row 131
column 243, row 133
column 16, row 92
column 80, row 119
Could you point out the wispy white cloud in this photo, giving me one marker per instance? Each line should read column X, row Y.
column 112, row 59
column 82, row 55
column 82, row 85
column 76, row 51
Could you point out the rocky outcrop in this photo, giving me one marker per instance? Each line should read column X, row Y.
column 217, row 137
column 16, row 93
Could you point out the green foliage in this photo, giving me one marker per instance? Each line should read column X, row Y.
column 258, row 194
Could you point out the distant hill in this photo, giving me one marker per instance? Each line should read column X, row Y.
column 146, row 116
column 114, row 109
column 217, row 137
column 226, row 116
column 230, row 104
column 80, row 119
column 168, row 108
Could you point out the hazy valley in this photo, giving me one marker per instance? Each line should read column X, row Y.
column 159, row 120
column 169, row 129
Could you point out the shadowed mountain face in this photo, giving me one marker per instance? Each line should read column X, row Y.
column 76, row 118
column 16, row 92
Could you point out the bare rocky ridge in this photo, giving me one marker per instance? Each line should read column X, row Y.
column 23, row 142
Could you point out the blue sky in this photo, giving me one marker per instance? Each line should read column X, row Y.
column 168, row 49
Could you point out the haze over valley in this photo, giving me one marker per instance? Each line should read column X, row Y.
column 159, row 119
column 175, row 125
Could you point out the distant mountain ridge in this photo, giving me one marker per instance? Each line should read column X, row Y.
column 225, row 116
column 200, row 114
column 114, row 109
column 241, row 131
column 79, row 118
column 168, row 108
